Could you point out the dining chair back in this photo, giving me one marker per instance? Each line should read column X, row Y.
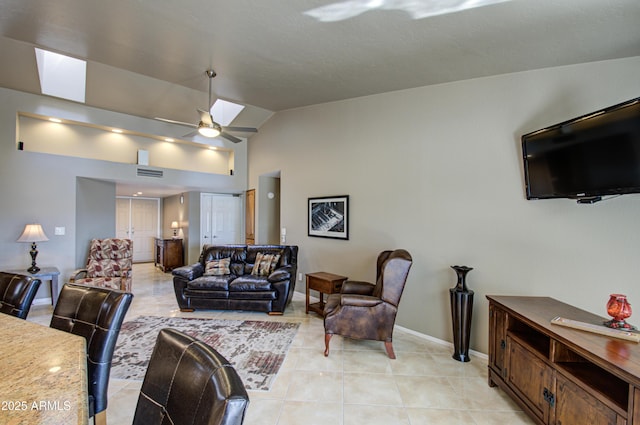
column 188, row 382
column 17, row 292
column 96, row 314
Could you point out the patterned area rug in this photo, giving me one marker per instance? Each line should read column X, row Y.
column 257, row 349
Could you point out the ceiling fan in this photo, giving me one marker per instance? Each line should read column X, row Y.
column 207, row 126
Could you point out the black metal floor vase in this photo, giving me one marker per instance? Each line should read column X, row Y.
column 461, row 309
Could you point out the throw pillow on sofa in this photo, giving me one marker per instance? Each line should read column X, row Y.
column 265, row 264
column 217, row 267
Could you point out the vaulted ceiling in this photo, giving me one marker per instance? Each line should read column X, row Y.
column 148, row 57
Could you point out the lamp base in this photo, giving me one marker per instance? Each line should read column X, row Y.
column 619, row 324
column 34, row 253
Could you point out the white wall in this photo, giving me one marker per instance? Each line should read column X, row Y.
column 437, row 170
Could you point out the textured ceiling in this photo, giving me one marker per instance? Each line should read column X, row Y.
column 147, row 57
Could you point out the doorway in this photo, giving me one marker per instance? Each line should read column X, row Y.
column 138, row 219
column 219, row 219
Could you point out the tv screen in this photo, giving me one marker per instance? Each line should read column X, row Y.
column 590, row 156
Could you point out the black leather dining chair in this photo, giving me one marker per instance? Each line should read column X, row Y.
column 188, row 382
column 17, row 292
column 96, row 314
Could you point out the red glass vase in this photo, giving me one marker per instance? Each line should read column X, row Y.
column 619, row 308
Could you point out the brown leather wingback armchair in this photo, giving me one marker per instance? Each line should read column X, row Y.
column 363, row 310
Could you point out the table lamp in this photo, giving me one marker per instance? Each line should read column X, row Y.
column 175, row 226
column 33, row 233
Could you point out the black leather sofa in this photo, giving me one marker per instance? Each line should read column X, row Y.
column 208, row 285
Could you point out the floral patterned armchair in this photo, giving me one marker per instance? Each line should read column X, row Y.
column 109, row 265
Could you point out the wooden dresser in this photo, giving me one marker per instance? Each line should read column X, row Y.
column 560, row 375
column 169, row 254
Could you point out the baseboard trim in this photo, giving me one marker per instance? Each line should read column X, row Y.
column 438, row 341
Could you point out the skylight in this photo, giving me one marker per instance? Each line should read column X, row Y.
column 341, row 10
column 225, row 112
column 61, row 76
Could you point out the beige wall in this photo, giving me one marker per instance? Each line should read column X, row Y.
column 52, row 189
column 437, row 170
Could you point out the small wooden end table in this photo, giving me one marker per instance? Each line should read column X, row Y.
column 324, row 283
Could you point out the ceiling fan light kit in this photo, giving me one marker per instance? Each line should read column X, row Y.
column 207, row 127
column 208, row 130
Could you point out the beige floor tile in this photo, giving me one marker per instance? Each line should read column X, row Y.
column 318, row 386
column 479, row 395
column 414, row 364
column 427, row 391
column 367, row 361
column 371, row 388
column 483, row 417
column 356, row 414
column 314, row 359
column 263, row 412
column 310, row 413
column 442, row 417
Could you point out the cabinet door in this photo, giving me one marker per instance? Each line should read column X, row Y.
column 529, row 376
column 497, row 339
column 576, row 406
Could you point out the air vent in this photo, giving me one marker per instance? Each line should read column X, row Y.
column 145, row 172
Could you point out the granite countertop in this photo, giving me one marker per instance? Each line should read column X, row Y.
column 43, row 379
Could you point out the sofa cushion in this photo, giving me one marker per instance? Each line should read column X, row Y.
column 214, row 283
column 237, row 268
column 265, row 264
column 249, row 282
column 237, row 253
column 217, row 267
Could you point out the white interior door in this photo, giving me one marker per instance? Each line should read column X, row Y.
column 139, row 220
column 123, row 218
column 219, row 219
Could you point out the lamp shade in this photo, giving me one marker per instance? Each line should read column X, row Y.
column 174, row 225
column 33, row 233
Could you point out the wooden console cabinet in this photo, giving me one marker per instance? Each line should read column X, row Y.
column 560, row 375
column 169, row 254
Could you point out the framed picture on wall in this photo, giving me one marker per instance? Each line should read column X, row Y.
column 328, row 217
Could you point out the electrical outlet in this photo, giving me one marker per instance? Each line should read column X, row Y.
column 299, row 277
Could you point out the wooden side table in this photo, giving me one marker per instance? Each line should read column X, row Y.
column 168, row 254
column 324, row 283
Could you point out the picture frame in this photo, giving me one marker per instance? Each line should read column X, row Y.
column 328, row 217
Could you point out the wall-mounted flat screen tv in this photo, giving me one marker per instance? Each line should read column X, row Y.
column 584, row 158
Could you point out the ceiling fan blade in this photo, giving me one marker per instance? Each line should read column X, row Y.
column 230, row 137
column 191, row 134
column 241, row 129
column 176, row 122
column 205, row 117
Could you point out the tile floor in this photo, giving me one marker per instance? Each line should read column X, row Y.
column 356, row 385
